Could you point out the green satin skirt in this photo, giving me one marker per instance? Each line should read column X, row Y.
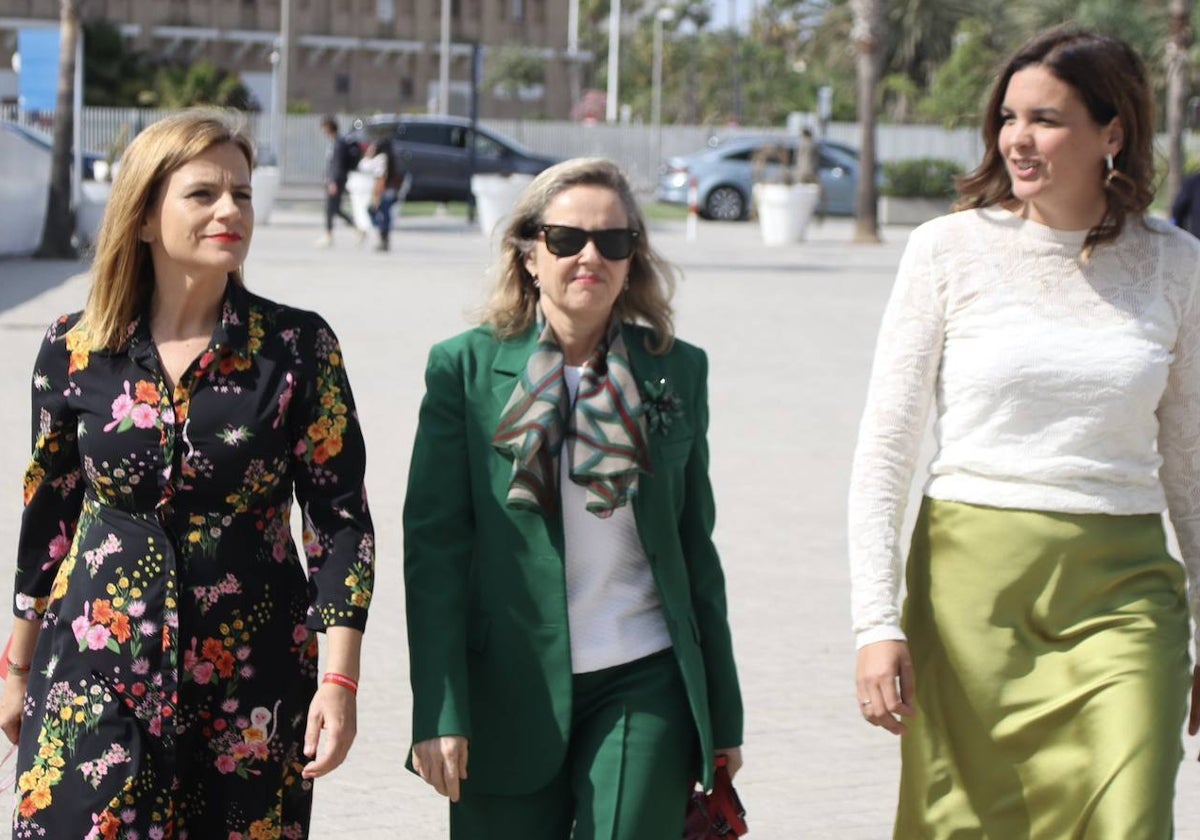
column 1052, row 674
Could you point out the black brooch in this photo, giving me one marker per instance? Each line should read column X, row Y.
column 662, row 406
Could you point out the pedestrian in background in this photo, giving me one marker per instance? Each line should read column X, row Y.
column 1185, row 210
column 162, row 675
column 341, row 158
column 379, row 163
column 570, row 654
column 1056, row 329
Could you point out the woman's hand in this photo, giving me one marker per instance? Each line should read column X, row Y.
column 887, row 689
column 443, row 763
column 12, row 705
column 733, row 759
column 334, row 710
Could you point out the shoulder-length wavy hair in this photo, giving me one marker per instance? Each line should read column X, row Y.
column 513, row 305
column 1111, row 81
column 122, row 272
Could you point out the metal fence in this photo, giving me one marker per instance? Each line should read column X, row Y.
column 638, row 148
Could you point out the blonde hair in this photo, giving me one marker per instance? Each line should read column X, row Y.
column 513, row 305
column 122, row 274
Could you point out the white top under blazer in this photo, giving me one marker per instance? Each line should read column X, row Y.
column 1060, row 385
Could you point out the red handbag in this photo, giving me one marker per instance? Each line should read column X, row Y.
column 718, row 814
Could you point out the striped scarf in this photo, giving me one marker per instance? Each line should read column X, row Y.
column 604, row 432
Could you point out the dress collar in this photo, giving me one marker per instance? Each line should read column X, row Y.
column 232, row 334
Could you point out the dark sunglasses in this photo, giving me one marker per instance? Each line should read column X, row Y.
column 566, row 241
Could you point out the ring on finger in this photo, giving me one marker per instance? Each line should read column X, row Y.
column 864, row 702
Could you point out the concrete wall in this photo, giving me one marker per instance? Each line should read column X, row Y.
column 24, row 180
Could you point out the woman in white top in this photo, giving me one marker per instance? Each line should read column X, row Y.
column 1056, row 329
column 571, row 661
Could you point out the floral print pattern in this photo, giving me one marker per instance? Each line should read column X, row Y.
column 178, row 655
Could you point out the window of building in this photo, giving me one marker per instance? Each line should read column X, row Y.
column 518, row 11
column 406, row 89
column 341, row 83
column 385, row 10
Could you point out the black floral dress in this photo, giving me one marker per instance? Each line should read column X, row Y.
column 178, row 656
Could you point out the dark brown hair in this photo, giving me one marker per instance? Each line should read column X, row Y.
column 1111, row 81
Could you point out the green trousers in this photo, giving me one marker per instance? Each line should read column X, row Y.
column 631, row 757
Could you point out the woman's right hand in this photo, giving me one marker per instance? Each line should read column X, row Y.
column 887, row 688
column 12, row 705
column 442, row 762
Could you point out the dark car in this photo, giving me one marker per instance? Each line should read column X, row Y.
column 436, row 151
column 724, row 175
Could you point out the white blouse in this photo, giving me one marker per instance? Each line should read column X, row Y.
column 1060, row 385
column 613, row 610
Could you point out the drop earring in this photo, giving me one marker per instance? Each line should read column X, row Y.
column 1108, row 162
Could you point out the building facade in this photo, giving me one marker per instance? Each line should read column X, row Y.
column 347, row 55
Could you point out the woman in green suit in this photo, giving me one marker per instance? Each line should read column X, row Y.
column 570, row 655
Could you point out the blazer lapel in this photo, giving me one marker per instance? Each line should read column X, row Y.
column 508, row 366
column 646, row 367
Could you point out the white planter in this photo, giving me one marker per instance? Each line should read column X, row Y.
column 910, row 211
column 359, row 186
column 264, row 183
column 785, row 210
column 495, row 196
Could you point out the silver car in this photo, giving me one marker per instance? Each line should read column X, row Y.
column 724, row 176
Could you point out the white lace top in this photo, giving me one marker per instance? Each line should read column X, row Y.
column 1060, row 385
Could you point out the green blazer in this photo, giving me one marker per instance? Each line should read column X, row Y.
column 485, row 584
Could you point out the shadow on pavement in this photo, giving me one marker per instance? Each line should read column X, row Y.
column 24, row 279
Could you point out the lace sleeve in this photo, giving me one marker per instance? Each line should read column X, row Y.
column 907, row 357
column 1179, row 444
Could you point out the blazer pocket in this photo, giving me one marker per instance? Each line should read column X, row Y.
column 478, row 624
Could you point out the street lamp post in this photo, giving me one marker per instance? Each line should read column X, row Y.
column 663, row 15
column 614, row 60
column 276, row 122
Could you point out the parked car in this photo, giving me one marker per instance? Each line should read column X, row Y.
column 725, row 176
column 42, row 140
column 436, row 151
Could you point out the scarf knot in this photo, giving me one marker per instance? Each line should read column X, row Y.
column 603, row 434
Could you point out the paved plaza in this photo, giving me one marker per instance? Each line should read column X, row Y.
column 789, row 332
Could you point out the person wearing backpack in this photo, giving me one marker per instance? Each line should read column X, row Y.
column 390, row 185
column 341, row 158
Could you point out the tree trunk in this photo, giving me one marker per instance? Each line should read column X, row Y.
column 60, row 218
column 868, row 19
column 1178, row 44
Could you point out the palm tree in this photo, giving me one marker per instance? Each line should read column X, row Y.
column 60, row 219
column 698, row 13
column 867, row 35
column 1178, row 44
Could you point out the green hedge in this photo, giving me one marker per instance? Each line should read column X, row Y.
column 920, row 178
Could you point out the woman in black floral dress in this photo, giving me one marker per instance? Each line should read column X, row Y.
column 163, row 664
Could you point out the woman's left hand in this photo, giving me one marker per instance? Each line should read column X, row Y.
column 334, row 710
column 733, row 759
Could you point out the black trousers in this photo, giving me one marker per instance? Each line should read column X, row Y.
column 333, row 207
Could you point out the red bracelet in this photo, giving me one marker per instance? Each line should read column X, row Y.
column 342, row 680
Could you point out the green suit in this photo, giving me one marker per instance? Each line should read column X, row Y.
column 485, row 583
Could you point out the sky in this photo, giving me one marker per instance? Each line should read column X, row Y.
column 722, row 8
